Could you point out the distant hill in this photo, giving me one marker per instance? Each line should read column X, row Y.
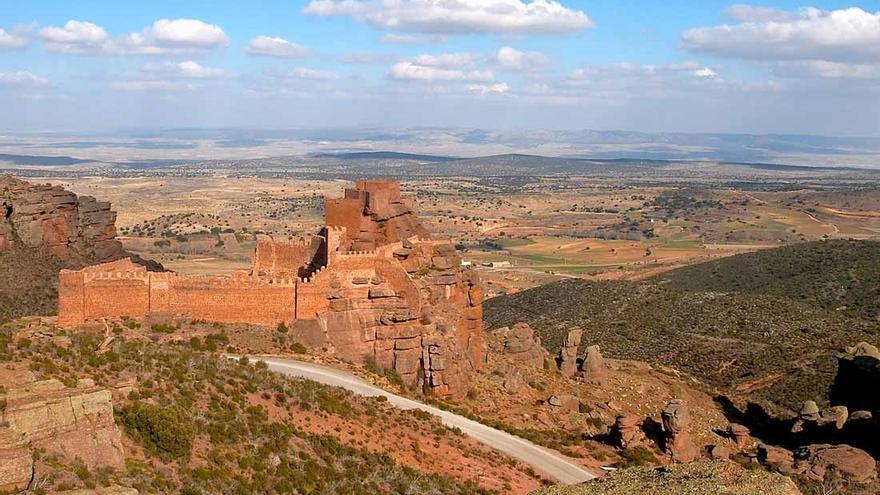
column 763, row 325
column 385, row 155
column 835, row 275
column 42, row 160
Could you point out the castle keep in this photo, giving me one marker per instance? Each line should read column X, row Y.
column 370, row 284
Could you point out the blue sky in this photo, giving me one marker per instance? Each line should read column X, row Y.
column 693, row 66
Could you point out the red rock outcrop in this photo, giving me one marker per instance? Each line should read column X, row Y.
column 627, row 431
column 40, row 216
column 593, row 366
column 815, row 461
column 72, row 423
column 740, row 435
column 676, row 423
column 566, row 359
column 519, row 344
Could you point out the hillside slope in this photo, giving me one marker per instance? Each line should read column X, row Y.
column 195, row 423
column 778, row 350
column 835, row 275
column 701, row 478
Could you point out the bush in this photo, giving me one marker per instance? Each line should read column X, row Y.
column 164, row 431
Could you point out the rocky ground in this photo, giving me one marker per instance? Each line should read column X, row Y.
column 701, row 478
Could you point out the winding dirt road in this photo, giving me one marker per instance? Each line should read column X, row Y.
column 545, row 461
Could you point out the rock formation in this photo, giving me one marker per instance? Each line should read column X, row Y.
column 809, row 414
column 676, row 423
column 78, row 229
column 72, row 423
column 593, row 366
column 740, row 435
column 564, row 403
column 370, row 285
column 627, row 431
column 566, row 360
column 519, row 344
column 815, row 461
column 858, row 373
column 836, row 415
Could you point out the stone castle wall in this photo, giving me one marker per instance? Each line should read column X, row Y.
column 371, row 285
column 123, row 289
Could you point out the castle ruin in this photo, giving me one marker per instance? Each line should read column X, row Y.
column 370, row 284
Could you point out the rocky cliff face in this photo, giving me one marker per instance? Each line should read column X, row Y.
column 43, row 229
column 74, row 423
column 418, row 314
column 417, row 311
column 74, row 228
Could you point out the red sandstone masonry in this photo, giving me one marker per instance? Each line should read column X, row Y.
column 373, row 285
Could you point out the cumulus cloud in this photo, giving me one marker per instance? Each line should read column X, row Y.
column 185, row 70
column 512, row 17
column 512, row 59
column 277, row 47
column 77, row 37
column 163, row 36
column 844, row 36
column 22, row 79
column 418, row 72
column 9, row 41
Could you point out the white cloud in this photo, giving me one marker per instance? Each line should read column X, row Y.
column 151, row 86
column 185, row 70
column 484, row 89
column 9, row 41
column 410, row 39
column 513, row 17
column 847, row 35
column 77, row 37
column 417, row 72
column 826, row 70
column 162, row 37
column 512, row 59
column 277, row 47
column 304, row 73
column 188, row 32
column 626, row 82
column 448, row 60
column 756, row 13
column 22, row 79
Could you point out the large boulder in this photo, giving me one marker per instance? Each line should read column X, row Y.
column 593, row 366
column 520, row 345
column 817, row 461
column 627, row 431
column 676, row 425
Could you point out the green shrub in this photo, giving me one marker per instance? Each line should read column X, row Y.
column 164, row 431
